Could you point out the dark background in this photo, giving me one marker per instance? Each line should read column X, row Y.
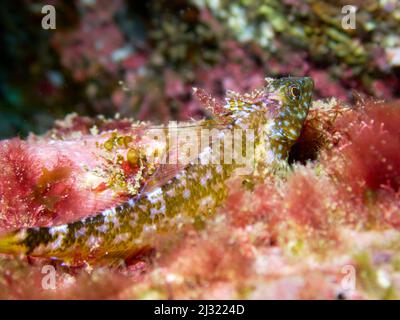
column 141, row 58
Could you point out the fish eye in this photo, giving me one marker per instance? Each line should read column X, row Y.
column 295, row 92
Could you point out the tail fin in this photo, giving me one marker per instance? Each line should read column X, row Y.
column 11, row 242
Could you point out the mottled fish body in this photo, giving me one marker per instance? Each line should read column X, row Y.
column 275, row 114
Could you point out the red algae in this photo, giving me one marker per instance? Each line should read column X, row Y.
column 325, row 225
column 292, row 237
column 370, row 141
column 46, row 183
column 308, row 200
column 18, row 179
column 31, row 193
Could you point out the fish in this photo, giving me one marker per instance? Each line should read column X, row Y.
column 182, row 193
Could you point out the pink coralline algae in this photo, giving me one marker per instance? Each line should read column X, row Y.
column 290, row 238
column 80, row 54
column 33, row 193
column 111, row 67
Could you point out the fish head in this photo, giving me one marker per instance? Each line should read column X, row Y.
column 292, row 101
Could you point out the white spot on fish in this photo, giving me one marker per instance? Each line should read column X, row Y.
column 293, row 132
column 103, row 228
column 203, row 181
column 57, row 243
column 58, row 229
column 170, row 193
column 207, row 201
column 80, row 233
column 205, row 156
column 155, row 196
column 186, row 193
column 109, row 212
column 154, row 211
column 121, row 237
column 93, row 241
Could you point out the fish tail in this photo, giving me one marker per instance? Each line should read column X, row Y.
column 12, row 242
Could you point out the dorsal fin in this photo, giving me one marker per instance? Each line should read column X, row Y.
column 217, row 108
column 172, row 154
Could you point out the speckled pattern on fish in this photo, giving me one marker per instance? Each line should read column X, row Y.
column 275, row 113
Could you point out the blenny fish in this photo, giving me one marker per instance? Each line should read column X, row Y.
column 187, row 194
